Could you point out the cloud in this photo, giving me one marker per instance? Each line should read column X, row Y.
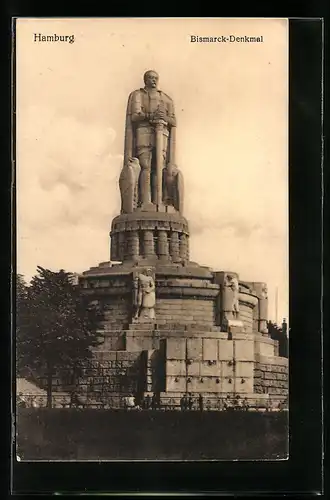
column 66, row 188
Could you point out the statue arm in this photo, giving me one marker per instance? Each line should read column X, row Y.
column 137, row 112
column 139, row 116
column 151, row 286
column 171, row 119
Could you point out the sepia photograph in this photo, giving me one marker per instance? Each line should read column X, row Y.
column 152, row 256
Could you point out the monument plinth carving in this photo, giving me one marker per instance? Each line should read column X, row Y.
column 144, row 296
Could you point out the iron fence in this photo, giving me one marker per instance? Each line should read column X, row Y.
column 164, row 404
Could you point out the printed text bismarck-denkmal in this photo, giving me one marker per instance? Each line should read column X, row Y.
column 226, row 39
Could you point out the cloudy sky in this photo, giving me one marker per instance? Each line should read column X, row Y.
column 231, row 103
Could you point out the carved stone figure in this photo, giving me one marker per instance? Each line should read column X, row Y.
column 260, row 290
column 264, row 291
column 263, row 309
column 173, row 187
column 231, row 297
column 128, row 184
column 150, row 136
column 144, row 296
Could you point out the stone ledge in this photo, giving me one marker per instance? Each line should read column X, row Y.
column 243, row 336
column 247, row 299
column 165, row 270
column 271, row 360
column 264, row 339
column 196, row 293
column 191, row 334
column 153, row 216
column 115, row 291
column 186, row 283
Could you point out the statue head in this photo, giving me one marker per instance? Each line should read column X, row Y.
column 150, row 79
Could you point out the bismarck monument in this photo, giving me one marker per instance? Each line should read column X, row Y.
column 172, row 326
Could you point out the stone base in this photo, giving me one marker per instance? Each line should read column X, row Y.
column 184, row 349
column 233, row 326
column 147, row 233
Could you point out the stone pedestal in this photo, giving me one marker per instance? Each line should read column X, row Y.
column 207, row 333
column 144, row 235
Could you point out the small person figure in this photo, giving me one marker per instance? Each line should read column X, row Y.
column 245, row 404
column 74, row 400
column 190, row 402
column 154, row 402
column 147, row 402
column 237, row 402
column 129, row 402
column 227, row 404
column 200, row 403
column 184, row 402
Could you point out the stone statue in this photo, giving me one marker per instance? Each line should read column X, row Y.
column 261, row 313
column 173, row 187
column 150, row 136
column 264, row 291
column 231, row 296
column 128, row 184
column 144, row 296
column 263, row 309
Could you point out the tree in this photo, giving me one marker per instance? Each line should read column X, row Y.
column 22, row 319
column 56, row 328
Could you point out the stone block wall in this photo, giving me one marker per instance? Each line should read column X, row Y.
column 246, row 315
column 209, row 365
column 110, row 374
column 117, row 312
column 180, row 299
column 113, row 340
column 141, row 340
column 185, row 311
column 271, row 377
column 265, row 346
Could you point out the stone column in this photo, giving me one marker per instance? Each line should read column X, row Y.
column 174, row 246
column 133, row 245
column 162, row 244
column 113, row 246
column 187, row 248
column 149, row 249
column 183, row 246
column 121, row 246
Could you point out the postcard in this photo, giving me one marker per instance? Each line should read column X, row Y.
column 152, row 239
